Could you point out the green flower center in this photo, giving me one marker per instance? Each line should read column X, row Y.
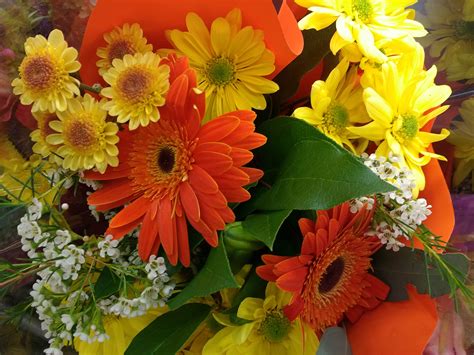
column 275, row 327
column 464, row 29
column 336, row 118
column 220, row 71
column 363, row 9
column 409, row 126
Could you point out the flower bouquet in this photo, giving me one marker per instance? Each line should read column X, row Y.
column 227, row 177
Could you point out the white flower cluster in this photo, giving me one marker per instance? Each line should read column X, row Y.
column 401, row 204
column 62, row 306
column 153, row 296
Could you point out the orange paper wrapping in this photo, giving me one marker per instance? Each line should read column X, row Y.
column 282, row 35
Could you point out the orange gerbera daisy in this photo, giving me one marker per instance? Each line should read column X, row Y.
column 330, row 278
column 176, row 171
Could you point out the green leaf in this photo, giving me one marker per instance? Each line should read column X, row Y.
column 307, row 170
column 334, row 342
column 169, row 332
column 264, row 226
column 107, row 284
column 407, row 266
column 316, row 46
column 215, row 275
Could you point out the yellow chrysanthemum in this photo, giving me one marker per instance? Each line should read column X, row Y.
column 363, row 22
column 40, row 134
column 462, row 137
column 84, row 137
column 121, row 332
column 451, row 36
column 9, row 156
column 45, row 79
column 121, row 41
column 401, row 98
column 268, row 331
column 138, row 86
column 22, row 180
column 231, row 62
column 337, row 104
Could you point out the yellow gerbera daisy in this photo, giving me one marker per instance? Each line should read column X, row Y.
column 401, row 98
column 337, row 104
column 363, row 22
column 45, row 79
column 121, row 332
column 138, row 86
column 85, row 138
column 40, row 134
column 121, row 41
column 268, row 331
column 451, row 35
column 462, row 137
column 231, row 62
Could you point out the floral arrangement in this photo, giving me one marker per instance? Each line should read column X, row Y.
column 233, row 177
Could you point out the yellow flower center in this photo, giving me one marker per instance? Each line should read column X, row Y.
column 406, row 126
column 38, row 72
column 362, row 9
column 135, row 84
column 275, row 327
column 335, row 119
column 120, row 48
column 81, row 134
column 464, row 29
column 332, row 275
column 220, row 71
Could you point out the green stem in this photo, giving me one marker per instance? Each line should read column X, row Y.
column 95, row 88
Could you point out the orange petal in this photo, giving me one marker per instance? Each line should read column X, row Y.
column 265, row 272
column 214, row 163
column 306, row 226
column 253, row 141
column 309, row 244
column 241, row 156
column 216, row 147
column 130, row 213
column 183, row 241
column 189, row 201
column 395, row 328
column 254, row 174
column 113, row 191
column 236, row 195
column 148, row 239
column 119, row 232
column 293, row 281
column 200, row 180
column 218, row 128
column 166, row 228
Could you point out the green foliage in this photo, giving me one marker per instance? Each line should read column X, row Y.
column 215, row 275
column 169, row 332
column 307, row 170
column 264, row 226
column 107, row 284
column 410, row 266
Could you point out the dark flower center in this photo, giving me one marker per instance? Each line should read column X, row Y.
column 332, row 276
column 166, row 159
